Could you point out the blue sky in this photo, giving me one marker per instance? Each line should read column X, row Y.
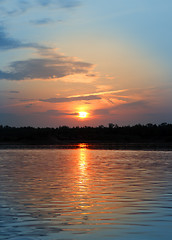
column 111, row 59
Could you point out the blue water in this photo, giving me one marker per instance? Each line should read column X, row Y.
column 70, row 194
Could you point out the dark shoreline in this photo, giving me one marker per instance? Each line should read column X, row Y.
column 91, row 145
column 138, row 137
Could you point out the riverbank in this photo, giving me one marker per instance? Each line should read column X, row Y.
column 103, row 146
column 149, row 136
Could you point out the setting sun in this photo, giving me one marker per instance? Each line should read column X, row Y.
column 82, row 114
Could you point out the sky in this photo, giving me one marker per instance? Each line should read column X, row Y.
column 108, row 58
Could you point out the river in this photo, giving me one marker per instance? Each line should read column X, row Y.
column 70, row 194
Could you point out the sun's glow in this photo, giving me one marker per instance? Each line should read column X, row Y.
column 82, row 114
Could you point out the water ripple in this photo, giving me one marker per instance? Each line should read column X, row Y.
column 68, row 194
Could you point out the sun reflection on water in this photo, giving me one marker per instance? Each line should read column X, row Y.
column 83, row 162
column 80, row 191
column 83, row 180
column 83, row 145
column 82, row 168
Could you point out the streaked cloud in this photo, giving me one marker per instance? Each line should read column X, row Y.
column 56, row 113
column 60, row 3
column 99, row 93
column 102, row 112
column 70, row 99
column 29, row 105
column 131, row 105
column 134, row 105
column 14, row 92
column 44, row 21
column 4, row 91
column 69, row 3
column 22, row 99
column 125, row 106
column 21, row 6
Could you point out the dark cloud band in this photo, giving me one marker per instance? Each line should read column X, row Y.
column 54, row 66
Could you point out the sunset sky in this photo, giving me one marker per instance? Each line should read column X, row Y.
column 109, row 58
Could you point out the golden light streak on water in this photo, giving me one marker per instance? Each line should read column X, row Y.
column 101, row 194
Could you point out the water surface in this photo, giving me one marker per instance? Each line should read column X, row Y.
column 69, row 194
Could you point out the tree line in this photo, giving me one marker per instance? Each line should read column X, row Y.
column 64, row 134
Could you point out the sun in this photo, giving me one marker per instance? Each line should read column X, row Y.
column 82, row 114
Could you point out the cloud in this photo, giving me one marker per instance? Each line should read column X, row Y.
column 56, row 113
column 29, row 105
column 53, row 113
column 132, row 105
column 14, row 92
column 49, row 67
column 22, row 99
column 4, row 91
column 27, row 100
column 100, row 93
column 125, row 106
column 44, row 2
column 69, row 3
column 16, row 7
column 43, row 21
column 21, row 6
column 70, row 99
column 7, row 43
column 60, row 3
column 103, row 111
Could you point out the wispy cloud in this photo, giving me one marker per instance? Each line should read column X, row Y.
column 22, row 6
column 14, row 92
column 29, row 105
column 70, row 99
column 133, row 105
column 124, row 104
column 60, row 3
column 44, row 21
column 5, row 91
column 86, row 97
column 53, row 112
column 99, row 93
column 69, row 3
column 102, row 112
